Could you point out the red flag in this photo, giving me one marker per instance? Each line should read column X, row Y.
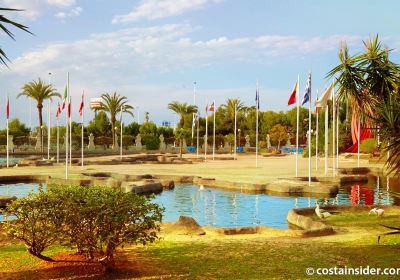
column 58, row 110
column 207, row 109
column 292, row 98
column 212, row 108
column 8, row 108
column 81, row 105
column 69, row 108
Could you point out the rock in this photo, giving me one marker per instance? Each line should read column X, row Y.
column 167, row 184
column 5, row 199
column 188, row 225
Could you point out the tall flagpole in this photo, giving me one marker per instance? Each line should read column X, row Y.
column 48, row 129
column 120, row 122
column 258, row 102
column 309, row 136
column 214, row 130
column 58, row 136
column 337, row 135
column 66, row 129
column 334, row 131
column 83, row 111
column 70, row 128
column 234, row 133
column 326, row 137
column 198, row 134
column 194, row 103
column 297, row 124
column 359, row 140
column 316, row 136
column 206, row 135
column 7, row 113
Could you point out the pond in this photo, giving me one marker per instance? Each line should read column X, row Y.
column 221, row 208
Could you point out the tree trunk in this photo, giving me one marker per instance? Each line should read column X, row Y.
column 279, row 144
column 40, row 107
column 39, row 255
column 180, row 147
column 113, row 131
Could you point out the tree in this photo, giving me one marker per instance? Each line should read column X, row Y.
column 278, row 134
column 16, row 128
column 132, row 129
column 229, row 109
column 39, row 91
column 3, row 21
column 183, row 110
column 100, row 125
column 180, row 134
column 113, row 104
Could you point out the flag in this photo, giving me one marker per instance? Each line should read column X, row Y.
column 211, row 108
column 258, row 100
column 293, row 95
column 307, row 91
column 8, row 108
column 64, row 98
column 323, row 100
column 69, row 108
column 207, row 109
column 81, row 105
column 58, row 110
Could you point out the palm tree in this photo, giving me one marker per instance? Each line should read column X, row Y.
column 113, row 104
column 39, row 91
column 230, row 106
column 182, row 109
column 3, row 21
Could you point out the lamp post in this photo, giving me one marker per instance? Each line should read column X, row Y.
column 41, row 130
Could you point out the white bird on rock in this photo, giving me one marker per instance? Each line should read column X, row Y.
column 378, row 211
column 321, row 213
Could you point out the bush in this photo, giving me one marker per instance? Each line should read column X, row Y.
column 368, row 146
column 95, row 220
column 152, row 142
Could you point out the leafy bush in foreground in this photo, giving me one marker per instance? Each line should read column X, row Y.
column 95, row 220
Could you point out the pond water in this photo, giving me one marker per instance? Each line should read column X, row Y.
column 221, row 208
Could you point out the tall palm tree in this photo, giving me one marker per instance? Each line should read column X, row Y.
column 39, row 91
column 230, row 106
column 182, row 109
column 3, row 22
column 113, row 104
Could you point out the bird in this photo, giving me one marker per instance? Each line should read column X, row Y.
column 321, row 213
column 378, row 211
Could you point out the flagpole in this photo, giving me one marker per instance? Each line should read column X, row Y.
column 48, row 128
column 234, row 133
column 326, row 137
column 120, row 122
column 316, row 137
column 257, row 105
column 8, row 111
column 83, row 110
column 297, row 124
column 194, row 103
column 333, row 131
column 70, row 129
column 66, row 130
column 214, row 131
column 309, row 136
column 58, row 139
column 206, row 135
column 337, row 136
column 359, row 140
column 198, row 134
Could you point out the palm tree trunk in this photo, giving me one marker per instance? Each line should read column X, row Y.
column 180, row 147
column 113, row 131
column 40, row 107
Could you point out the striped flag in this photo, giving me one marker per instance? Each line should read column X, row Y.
column 58, row 112
column 69, row 108
column 8, row 108
column 64, row 98
column 293, row 95
column 307, row 91
column 258, row 99
column 81, row 105
column 211, row 108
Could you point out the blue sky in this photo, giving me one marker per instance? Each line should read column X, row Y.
column 152, row 51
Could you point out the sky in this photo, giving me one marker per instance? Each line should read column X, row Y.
column 153, row 51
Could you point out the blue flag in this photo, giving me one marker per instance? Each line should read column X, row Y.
column 257, row 100
column 307, row 91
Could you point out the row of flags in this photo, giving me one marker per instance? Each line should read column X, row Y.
column 61, row 107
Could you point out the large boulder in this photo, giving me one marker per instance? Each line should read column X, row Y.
column 5, row 199
column 187, row 225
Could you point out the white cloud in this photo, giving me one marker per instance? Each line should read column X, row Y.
column 72, row 13
column 157, row 9
column 63, row 3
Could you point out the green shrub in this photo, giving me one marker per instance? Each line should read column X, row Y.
column 368, row 146
column 95, row 220
column 152, row 142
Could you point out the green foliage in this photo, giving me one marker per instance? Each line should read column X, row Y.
column 152, row 142
column 368, row 146
column 95, row 220
column 167, row 132
column 278, row 134
column 16, row 128
column 100, row 125
column 148, row 128
column 183, row 110
column 132, row 129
